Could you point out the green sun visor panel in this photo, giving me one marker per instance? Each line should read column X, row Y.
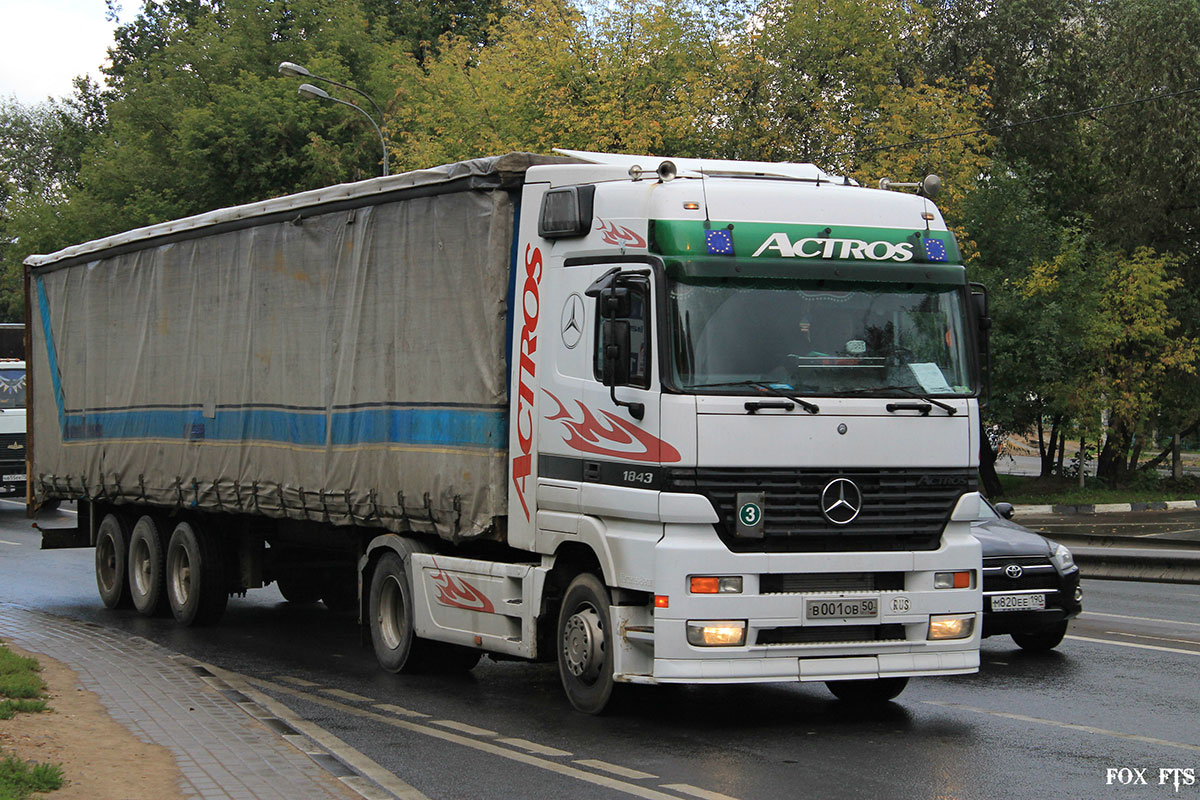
column 805, row 243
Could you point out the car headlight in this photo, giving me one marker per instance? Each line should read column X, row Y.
column 1062, row 559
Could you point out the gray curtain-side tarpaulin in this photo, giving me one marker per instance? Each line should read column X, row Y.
column 337, row 356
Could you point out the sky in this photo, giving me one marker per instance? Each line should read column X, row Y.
column 44, row 44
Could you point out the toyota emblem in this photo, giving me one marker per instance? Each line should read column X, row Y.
column 1014, row 571
column 841, row 501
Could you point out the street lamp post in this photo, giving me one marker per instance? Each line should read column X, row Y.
column 313, row 92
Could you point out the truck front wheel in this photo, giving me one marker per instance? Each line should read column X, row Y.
column 196, row 582
column 112, row 559
column 585, row 646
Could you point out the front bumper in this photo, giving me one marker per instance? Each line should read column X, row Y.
column 782, row 643
column 1061, row 605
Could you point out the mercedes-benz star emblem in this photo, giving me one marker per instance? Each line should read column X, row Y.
column 841, row 501
column 572, row 321
column 1014, row 571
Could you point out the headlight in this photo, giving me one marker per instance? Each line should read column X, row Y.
column 1062, row 559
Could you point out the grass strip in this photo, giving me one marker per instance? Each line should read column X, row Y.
column 21, row 690
column 19, row 780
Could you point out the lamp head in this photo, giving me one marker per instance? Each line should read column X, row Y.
column 293, row 70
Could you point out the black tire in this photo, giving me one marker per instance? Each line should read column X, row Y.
column 197, row 583
column 298, row 588
column 869, row 691
column 585, row 652
column 390, row 609
column 147, row 567
column 112, row 561
column 1043, row 640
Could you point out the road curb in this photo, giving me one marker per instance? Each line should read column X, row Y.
column 1107, row 508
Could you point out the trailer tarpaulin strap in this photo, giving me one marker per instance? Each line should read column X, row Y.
column 345, row 365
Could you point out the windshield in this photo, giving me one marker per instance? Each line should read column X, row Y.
column 12, row 388
column 817, row 337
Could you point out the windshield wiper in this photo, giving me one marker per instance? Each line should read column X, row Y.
column 807, row 405
column 893, row 407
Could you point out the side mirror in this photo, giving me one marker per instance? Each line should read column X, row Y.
column 1005, row 510
column 615, row 340
column 615, row 302
column 615, row 336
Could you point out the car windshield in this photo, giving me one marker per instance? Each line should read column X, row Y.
column 816, row 336
column 12, row 388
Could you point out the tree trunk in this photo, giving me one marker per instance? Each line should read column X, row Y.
column 1082, row 461
column 987, row 465
column 1176, row 458
column 1113, row 459
column 1049, row 452
column 1062, row 451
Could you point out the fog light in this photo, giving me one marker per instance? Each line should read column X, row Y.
column 716, row 633
column 715, row 585
column 955, row 626
column 952, row 580
column 1078, row 593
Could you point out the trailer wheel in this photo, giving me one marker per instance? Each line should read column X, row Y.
column 197, row 586
column 397, row 647
column 868, row 691
column 112, row 561
column 147, row 558
column 585, row 648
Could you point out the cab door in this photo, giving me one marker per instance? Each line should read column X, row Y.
column 616, row 427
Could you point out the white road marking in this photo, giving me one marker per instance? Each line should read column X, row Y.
column 615, row 769
column 534, row 747
column 351, row 696
column 316, row 733
column 703, row 794
column 1155, row 638
column 401, row 710
column 1140, row 619
column 1136, row 645
column 488, row 747
column 5, row 541
column 462, row 727
column 296, row 681
column 1053, row 723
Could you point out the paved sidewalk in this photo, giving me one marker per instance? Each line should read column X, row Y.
column 1108, row 508
column 226, row 745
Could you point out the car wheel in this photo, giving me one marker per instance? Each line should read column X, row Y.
column 871, row 690
column 197, row 581
column 1043, row 640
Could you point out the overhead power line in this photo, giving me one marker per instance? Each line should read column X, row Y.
column 1011, row 125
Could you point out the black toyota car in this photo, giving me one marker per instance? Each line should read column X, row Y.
column 1030, row 584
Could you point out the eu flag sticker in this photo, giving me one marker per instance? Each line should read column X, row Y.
column 935, row 249
column 720, row 242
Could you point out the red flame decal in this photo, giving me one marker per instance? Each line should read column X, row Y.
column 589, row 435
column 460, row 594
column 620, row 235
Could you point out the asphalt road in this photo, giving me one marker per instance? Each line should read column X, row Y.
column 1119, row 693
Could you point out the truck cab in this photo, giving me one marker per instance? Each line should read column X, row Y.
column 751, row 391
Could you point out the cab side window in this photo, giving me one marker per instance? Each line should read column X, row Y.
column 639, row 336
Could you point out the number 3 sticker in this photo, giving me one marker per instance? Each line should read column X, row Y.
column 750, row 514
